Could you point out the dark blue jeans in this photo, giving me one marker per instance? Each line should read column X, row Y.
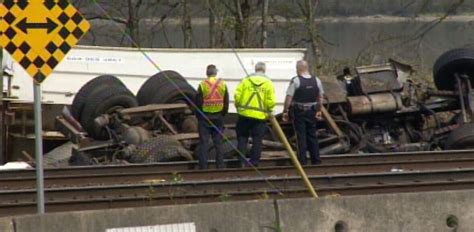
column 304, row 123
column 246, row 128
column 206, row 131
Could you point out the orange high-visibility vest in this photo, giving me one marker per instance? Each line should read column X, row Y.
column 213, row 91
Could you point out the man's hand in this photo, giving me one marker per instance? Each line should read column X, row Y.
column 319, row 115
column 285, row 117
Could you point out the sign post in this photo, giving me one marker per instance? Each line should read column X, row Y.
column 38, row 34
column 38, row 149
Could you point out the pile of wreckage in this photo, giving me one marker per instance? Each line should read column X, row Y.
column 375, row 108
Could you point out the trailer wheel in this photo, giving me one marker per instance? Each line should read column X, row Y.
column 189, row 125
column 105, row 102
column 154, row 85
column 459, row 61
column 461, row 138
column 170, row 94
column 161, row 148
column 87, row 89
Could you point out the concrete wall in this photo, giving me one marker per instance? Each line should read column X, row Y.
column 440, row 211
column 401, row 212
column 256, row 216
column 6, row 225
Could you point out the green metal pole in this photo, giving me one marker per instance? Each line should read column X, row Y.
column 39, row 150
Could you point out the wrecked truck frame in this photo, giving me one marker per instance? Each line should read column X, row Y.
column 385, row 111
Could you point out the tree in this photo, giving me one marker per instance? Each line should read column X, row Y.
column 132, row 22
column 241, row 12
column 212, row 23
column 187, row 27
column 308, row 9
column 264, row 23
column 126, row 15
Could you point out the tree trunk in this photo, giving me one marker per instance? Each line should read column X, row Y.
column 133, row 23
column 212, row 24
column 187, row 28
column 264, row 23
column 242, row 16
column 239, row 37
column 312, row 32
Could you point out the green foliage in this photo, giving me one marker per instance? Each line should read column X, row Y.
column 176, row 178
column 224, row 197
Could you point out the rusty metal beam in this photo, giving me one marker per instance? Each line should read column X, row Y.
column 153, row 108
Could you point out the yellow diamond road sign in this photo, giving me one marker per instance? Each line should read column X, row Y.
column 39, row 33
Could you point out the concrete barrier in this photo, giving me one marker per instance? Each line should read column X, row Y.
column 6, row 225
column 214, row 217
column 437, row 211
column 440, row 211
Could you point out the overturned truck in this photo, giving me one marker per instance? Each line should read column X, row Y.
column 373, row 108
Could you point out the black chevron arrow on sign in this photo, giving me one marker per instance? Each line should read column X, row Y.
column 23, row 25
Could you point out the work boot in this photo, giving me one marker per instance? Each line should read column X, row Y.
column 316, row 162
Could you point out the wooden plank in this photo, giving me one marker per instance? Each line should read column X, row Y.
column 186, row 136
column 153, row 107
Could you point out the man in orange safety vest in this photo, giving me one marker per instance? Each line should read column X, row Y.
column 212, row 102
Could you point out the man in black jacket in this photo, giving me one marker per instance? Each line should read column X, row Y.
column 303, row 105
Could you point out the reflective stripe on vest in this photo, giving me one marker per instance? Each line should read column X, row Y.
column 213, row 96
column 255, row 93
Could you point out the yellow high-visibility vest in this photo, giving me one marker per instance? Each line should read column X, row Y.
column 213, row 92
column 255, row 97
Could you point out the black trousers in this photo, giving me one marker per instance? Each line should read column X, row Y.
column 246, row 128
column 206, row 131
column 304, row 123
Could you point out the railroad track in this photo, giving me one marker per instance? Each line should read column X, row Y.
column 192, row 165
column 97, row 187
column 131, row 176
column 133, row 195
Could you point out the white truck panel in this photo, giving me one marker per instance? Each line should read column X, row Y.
column 133, row 68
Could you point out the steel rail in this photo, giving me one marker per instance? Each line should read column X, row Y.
column 86, row 179
column 191, row 165
column 166, row 189
column 17, row 208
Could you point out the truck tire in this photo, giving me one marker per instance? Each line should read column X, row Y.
column 459, row 61
column 170, row 94
column 189, row 125
column 161, row 148
column 104, row 102
column 154, row 85
column 87, row 89
column 461, row 137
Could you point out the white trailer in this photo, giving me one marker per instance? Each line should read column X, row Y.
column 132, row 66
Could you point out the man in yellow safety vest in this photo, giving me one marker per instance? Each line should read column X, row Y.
column 254, row 100
column 212, row 102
